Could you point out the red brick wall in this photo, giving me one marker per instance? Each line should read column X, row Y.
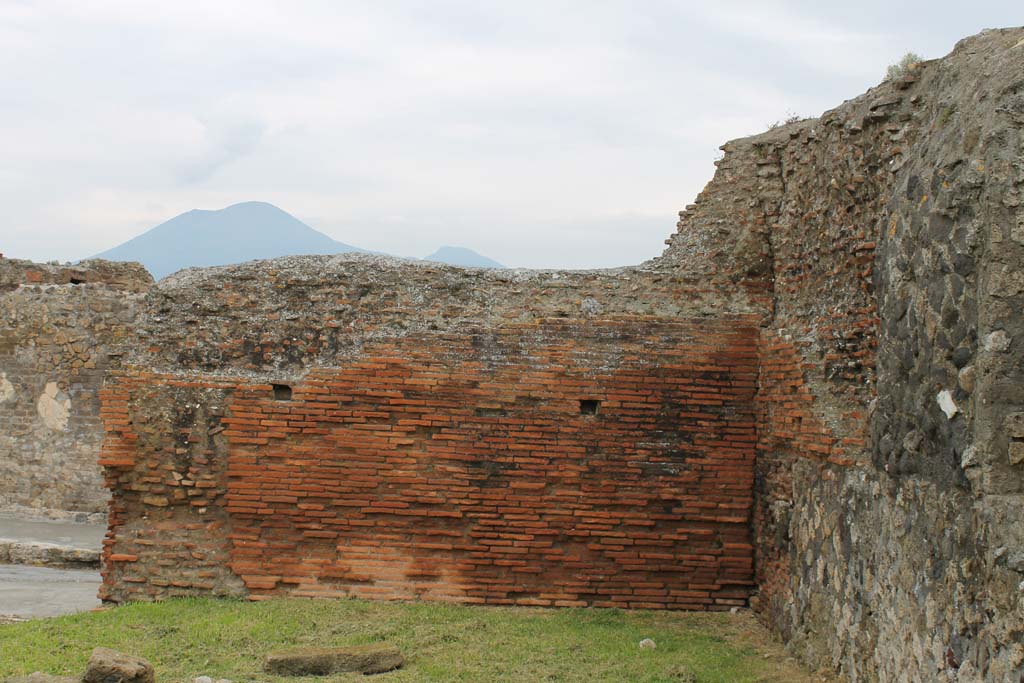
column 451, row 467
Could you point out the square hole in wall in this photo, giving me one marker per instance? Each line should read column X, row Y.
column 282, row 392
column 589, row 406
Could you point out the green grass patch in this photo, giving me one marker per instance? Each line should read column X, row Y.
column 185, row 638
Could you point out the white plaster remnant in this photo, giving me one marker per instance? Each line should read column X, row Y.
column 945, row 399
column 6, row 388
column 53, row 406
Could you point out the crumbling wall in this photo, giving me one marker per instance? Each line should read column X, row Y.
column 58, row 329
column 605, row 462
column 366, row 426
column 888, row 493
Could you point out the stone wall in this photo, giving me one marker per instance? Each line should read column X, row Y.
column 59, row 327
column 888, row 470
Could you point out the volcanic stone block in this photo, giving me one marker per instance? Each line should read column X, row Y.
column 318, row 661
column 108, row 666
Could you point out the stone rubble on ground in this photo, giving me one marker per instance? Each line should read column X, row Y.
column 320, row 661
column 105, row 666
column 109, row 666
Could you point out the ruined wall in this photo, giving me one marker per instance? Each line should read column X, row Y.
column 605, row 460
column 58, row 329
column 434, row 443
column 888, row 490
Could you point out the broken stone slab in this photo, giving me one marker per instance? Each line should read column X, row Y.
column 47, row 555
column 40, row 677
column 109, row 666
column 320, row 661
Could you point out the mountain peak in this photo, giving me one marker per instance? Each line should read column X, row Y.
column 245, row 231
column 240, row 232
column 461, row 256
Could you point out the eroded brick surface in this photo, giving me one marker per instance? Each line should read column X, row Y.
column 605, row 462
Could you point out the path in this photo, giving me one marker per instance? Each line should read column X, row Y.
column 32, row 591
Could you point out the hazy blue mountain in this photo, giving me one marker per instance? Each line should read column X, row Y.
column 241, row 232
column 460, row 256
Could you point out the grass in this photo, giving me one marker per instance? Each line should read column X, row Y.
column 186, row 638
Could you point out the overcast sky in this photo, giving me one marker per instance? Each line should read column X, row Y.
column 538, row 132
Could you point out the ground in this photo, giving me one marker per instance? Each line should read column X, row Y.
column 223, row 638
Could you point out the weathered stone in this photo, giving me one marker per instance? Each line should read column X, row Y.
column 1014, row 425
column 1017, row 233
column 997, row 341
column 365, row 659
column 967, row 377
column 1007, row 282
column 48, row 554
column 1016, row 452
column 110, row 666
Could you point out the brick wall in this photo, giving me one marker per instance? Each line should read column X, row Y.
column 459, row 466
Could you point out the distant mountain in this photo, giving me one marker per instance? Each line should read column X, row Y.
column 241, row 232
column 460, row 256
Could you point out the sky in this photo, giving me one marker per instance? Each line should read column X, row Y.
column 542, row 133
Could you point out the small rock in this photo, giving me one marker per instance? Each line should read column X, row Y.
column 108, row 666
column 1016, row 452
column 202, row 679
column 648, row 644
column 912, row 441
column 969, row 457
column 997, row 341
column 967, row 377
column 1017, row 232
column 945, row 401
column 318, row 661
column 1014, row 425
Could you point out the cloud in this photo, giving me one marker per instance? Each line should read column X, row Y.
column 222, row 143
column 537, row 133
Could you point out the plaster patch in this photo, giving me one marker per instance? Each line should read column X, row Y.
column 6, row 388
column 53, row 406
